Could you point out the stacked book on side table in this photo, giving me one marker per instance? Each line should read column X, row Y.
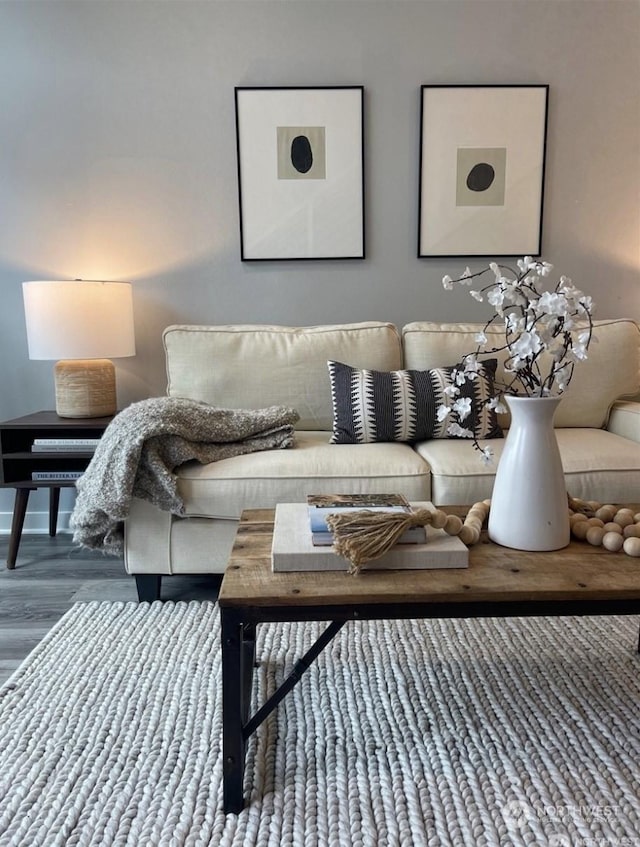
column 57, row 446
column 302, row 540
column 64, row 445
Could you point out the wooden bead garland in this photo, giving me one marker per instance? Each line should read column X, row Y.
column 363, row 536
column 612, row 527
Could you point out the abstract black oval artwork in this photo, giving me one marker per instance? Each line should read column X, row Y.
column 480, row 177
column 301, row 154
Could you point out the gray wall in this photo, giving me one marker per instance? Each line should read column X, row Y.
column 117, row 157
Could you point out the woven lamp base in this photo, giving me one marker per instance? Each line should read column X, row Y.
column 85, row 388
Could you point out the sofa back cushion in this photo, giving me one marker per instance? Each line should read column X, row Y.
column 612, row 369
column 254, row 366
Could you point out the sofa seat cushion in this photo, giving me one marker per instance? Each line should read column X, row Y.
column 598, row 465
column 314, row 466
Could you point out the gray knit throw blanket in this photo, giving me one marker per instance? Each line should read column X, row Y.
column 143, row 445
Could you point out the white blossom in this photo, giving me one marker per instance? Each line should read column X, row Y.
column 480, row 338
column 470, row 369
column 525, row 264
column 447, row 282
column 578, row 351
column 495, row 296
column 552, row 303
column 513, row 294
column 496, row 405
column 567, row 288
column 528, row 344
column 451, row 391
column 442, row 412
column 486, row 454
column 562, row 376
column 513, row 323
column 477, row 296
column 458, row 431
column 462, row 407
column 515, row 364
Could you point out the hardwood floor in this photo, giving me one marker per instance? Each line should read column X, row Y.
column 51, row 574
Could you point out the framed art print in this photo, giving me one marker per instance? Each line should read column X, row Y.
column 482, row 158
column 300, row 172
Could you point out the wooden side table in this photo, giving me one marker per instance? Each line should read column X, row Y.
column 18, row 462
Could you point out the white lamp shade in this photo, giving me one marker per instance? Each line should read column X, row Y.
column 80, row 319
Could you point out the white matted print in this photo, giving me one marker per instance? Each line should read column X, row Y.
column 482, row 156
column 300, row 172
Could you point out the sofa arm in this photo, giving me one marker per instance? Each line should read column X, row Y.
column 624, row 419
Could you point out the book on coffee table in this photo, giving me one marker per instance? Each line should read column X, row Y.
column 413, row 535
column 320, row 506
column 293, row 550
column 358, row 501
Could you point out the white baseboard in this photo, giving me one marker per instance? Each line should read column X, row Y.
column 37, row 517
column 35, row 522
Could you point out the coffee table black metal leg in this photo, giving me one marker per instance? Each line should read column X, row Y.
column 248, row 664
column 233, row 706
column 238, row 658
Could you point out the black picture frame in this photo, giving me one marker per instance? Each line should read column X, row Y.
column 300, row 158
column 482, row 170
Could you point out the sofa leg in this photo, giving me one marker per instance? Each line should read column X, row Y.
column 148, row 587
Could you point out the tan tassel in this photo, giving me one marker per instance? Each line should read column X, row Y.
column 363, row 536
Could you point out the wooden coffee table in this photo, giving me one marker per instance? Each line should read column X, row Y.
column 499, row 582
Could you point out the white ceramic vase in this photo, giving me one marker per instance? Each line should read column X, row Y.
column 529, row 509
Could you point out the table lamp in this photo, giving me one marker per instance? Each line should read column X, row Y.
column 84, row 323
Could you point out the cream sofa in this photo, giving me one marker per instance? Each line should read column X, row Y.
column 258, row 366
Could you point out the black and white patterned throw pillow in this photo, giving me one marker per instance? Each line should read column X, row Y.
column 373, row 405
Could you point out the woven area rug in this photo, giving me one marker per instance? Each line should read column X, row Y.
column 402, row 733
